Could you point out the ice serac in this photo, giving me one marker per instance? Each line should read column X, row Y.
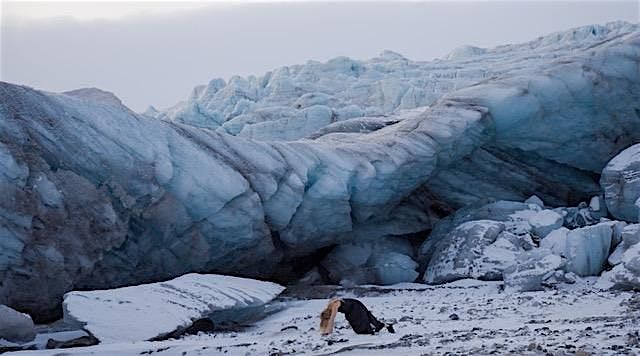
column 123, row 198
column 621, row 184
column 154, row 310
column 294, row 101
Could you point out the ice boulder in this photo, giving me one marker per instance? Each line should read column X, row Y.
column 542, row 222
column 597, row 203
column 585, row 249
column 532, row 270
column 629, row 236
column 155, row 310
column 620, row 181
column 348, row 262
column 545, row 221
column 534, row 200
column 384, row 261
column 626, row 274
column 501, row 210
column 394, row 267
column 580, row 216
column 15, row 327
column 479, row 249
column 556, row 241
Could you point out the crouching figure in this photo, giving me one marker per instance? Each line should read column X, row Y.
column 358, row 316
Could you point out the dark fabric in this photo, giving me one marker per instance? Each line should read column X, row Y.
column 359, row 317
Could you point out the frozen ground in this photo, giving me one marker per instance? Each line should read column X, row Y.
column 571, row 320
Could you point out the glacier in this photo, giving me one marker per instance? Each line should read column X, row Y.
column 293, row 102
column 260, row 177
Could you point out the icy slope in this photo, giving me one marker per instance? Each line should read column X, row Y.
column 94, row 196
column 295, row 101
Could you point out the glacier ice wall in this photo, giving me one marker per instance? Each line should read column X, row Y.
column 294, row 101
column 95, row 196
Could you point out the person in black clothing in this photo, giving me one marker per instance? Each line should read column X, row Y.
column 358, row 316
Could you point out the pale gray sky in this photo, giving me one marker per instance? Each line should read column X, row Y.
column 154, row 53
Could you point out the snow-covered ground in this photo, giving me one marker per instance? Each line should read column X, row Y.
column 573, row 319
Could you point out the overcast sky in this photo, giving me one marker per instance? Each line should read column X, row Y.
column 154, row 53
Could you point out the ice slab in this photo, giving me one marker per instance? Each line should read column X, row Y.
column 153, row 310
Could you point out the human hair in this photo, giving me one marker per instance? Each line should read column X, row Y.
column 328, row 316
